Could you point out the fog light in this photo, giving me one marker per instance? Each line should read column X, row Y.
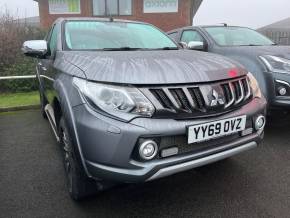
column 282, row 91
column 260, row 123
column 148, row 150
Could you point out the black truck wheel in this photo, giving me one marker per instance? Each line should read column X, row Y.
column 79, row 185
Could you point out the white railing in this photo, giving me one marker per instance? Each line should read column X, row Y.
column 17, row 77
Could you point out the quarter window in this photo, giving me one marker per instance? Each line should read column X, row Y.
column 112, row 7
column 173, row 35
column 191, row 35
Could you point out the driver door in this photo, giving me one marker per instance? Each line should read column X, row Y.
column 45, row 66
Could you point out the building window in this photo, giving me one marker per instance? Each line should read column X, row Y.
column 64, row 6
column 112, row 7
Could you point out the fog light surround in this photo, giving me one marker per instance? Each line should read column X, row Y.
column 148, row 150
column 260, row 122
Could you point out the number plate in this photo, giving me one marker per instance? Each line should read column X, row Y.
column 216, row 129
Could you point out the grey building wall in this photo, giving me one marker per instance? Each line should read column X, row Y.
column 279, row 36
column 279, row 32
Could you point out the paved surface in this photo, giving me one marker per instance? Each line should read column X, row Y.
column 32, row 184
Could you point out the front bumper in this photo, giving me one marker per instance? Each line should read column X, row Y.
column 108, row 145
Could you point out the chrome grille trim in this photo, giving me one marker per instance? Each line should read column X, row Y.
column 241, row 88
column 248, row 93
column 232, row 94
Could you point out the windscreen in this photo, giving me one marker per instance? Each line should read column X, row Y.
column 237, row 36
column 96, row 35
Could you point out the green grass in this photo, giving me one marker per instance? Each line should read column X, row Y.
column 19, row 99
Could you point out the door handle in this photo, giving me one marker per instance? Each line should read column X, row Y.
column 44, row 68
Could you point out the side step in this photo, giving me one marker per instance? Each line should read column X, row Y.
column 51, row 118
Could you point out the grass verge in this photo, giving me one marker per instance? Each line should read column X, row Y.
column 9, row 100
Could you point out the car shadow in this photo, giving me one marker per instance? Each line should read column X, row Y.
column 202, row 187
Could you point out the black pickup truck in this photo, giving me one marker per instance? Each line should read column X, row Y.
column 268, row 62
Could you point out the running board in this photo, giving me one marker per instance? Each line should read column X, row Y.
column 51, row 118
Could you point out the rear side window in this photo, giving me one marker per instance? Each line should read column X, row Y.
column 191, row 35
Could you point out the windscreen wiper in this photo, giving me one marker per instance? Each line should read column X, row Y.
column 122, row 49
column 251, row 45
column 138, row 49
column 168, row 48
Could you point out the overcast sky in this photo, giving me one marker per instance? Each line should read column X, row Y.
column 252, row 13
column 21, row 8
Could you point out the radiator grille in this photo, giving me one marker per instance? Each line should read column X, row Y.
column 203, row 99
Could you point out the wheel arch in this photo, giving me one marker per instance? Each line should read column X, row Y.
column 63, row 104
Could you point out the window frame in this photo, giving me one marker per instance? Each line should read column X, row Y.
column 118, row 9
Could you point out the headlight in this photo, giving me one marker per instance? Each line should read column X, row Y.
column 115, row 100
column 254, row 86
column 276, row 64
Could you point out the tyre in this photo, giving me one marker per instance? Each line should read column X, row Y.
column 79, row 185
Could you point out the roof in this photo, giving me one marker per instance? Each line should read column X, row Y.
column 107, row 19
column 204, row 26
column 283, row 24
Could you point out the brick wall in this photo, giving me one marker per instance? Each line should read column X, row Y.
column 165, row 21
column 47, row 19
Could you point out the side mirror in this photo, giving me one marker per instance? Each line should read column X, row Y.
column 195, row 45
column 35, row 48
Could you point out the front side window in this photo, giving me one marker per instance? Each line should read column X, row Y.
column 112, row 7
column 97, row 35
column 237, row 36
column 191, row 35
column 52, row 44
